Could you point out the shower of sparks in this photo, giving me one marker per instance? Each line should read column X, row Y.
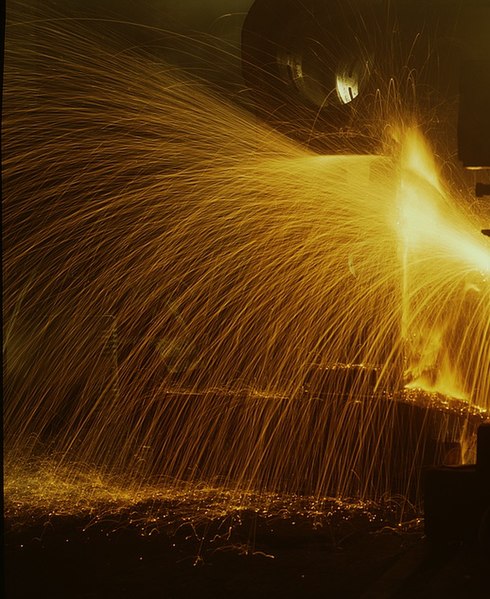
column 191, row 297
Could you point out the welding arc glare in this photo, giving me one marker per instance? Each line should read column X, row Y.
column 173, row 268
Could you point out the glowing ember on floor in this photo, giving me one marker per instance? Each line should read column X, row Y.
column 174, row 270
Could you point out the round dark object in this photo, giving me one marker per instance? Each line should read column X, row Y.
column 311, row 65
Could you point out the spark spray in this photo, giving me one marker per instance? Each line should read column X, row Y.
column 229, row 262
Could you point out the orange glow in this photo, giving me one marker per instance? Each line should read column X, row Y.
column 174, row 271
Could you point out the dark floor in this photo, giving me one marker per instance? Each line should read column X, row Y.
column 261, row 558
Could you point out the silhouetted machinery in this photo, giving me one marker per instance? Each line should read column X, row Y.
column 327, row 72
column 457, row 499
column 320, row 71
column 331, row 73
column 317, row 67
